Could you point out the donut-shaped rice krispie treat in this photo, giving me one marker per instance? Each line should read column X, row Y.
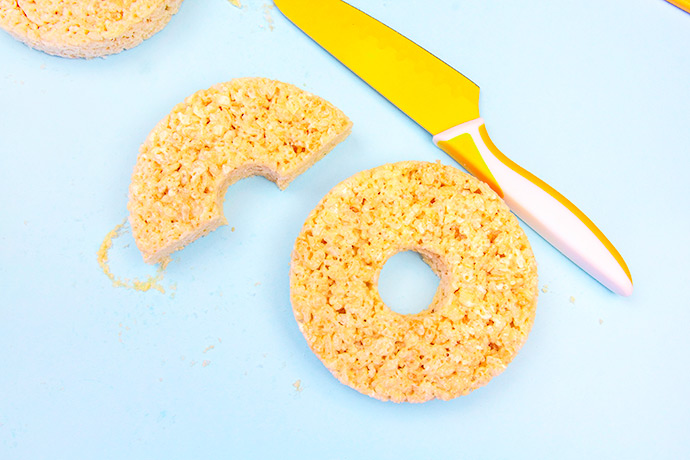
column 217, row 136
column 85, row 28
column 483, row 309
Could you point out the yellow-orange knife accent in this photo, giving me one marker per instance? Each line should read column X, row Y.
column 682, row 4
column 446, row 104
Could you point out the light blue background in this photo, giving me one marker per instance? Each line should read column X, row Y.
column 592, row 96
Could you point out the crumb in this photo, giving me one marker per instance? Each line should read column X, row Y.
column 601, row 321
column 210, row 347
column 545, row 289
column 267, row 15
column 232, row 229
column 205, row 363
column 237, row 3
column 297, row 385
column 572, row 299
column 123, row 328
column 257, row 283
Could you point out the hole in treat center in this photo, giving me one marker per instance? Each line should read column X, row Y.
column 407, row 284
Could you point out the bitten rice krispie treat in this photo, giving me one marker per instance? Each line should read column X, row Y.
column 480, row 315
column 245, row 127
column 85, row 28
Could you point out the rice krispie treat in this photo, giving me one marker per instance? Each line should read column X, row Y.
column 85, row 28
column 245, row 127
column 480, row 315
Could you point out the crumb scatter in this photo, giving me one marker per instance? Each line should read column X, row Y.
column 152, row 282
column 268, row 8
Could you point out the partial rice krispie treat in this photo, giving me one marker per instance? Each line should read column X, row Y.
column 480, row 316
column 85, row 28
column 245, row 127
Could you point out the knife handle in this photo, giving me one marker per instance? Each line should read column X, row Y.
column 540, row 206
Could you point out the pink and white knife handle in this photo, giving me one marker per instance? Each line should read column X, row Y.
column 541, row 207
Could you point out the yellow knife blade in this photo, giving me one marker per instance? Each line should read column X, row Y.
column 446, row 103
column 431, row 92
column 682, row 4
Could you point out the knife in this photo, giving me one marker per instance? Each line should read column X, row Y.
column 682, row 4
column 446, row 104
